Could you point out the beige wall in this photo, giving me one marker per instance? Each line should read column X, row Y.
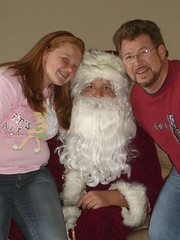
column 24, row 22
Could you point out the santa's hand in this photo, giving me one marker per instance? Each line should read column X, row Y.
column 98, row 199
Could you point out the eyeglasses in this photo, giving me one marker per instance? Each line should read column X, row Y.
column 130, row 59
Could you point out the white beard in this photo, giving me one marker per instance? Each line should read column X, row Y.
column 96, row 143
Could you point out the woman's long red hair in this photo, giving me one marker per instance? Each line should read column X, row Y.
column 30, row 70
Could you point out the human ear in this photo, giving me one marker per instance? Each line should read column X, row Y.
column 162, row 51
column 45, row 53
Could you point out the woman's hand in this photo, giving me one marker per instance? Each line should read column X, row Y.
column 98, row 199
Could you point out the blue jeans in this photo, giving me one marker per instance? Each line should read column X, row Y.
column 165, row 220
column 33, row 201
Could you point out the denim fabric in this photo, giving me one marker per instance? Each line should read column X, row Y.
column 165, row 220
column 33, row 201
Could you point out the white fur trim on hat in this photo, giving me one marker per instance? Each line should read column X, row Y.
column 101, row 65
column 135, row 195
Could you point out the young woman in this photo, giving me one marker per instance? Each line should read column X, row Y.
column 39, row 82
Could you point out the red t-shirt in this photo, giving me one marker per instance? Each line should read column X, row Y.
column 159, row 113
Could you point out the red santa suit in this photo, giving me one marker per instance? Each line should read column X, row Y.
column 112, row 223
column 140, row 189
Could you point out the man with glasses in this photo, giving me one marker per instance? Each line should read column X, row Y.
column 155, row 101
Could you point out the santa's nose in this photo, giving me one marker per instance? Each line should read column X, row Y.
column 98, row 93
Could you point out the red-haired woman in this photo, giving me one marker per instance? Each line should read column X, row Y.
column 38, row 83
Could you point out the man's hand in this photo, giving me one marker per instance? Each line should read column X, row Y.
column 98, row 199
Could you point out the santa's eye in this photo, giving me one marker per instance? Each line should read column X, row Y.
column 66, row 59
column 107, row 87
column 90, row 86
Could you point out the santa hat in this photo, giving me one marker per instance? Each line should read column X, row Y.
column 103, row 65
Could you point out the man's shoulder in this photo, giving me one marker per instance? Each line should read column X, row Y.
column 174, row 73
column 174, row 64
column 175, row 61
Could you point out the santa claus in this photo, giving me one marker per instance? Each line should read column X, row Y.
column 109, row 187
